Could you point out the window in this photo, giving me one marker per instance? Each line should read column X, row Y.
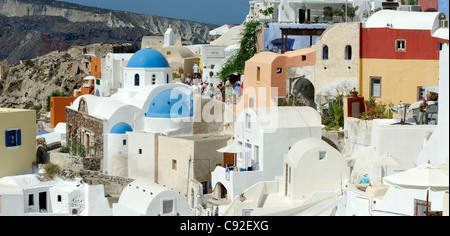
column 59, row 198
column 153, row 79
column 258, row 74
column 400, row 45
column 124, row 142
column 140, row 151
column 248, row 121
column 174, row 164
column 30, row 200
column 279, row 70
column 303, row 57
column 167, row 78
column 13, row 137
column 322, row 156
column 325, row 52
column 97, row 82
column 251, row 102
column 167, row 206
column 375, row 87
column 348, row 52
column 136, row 80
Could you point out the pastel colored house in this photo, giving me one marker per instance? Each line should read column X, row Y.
column 399, row 55
column 314, row 175
column 337, row 61
column 17, row 141
column 180, row 56
column 58, row 109
column 265, row 81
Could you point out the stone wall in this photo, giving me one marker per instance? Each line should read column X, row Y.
column 72, row 167
column 79, row 121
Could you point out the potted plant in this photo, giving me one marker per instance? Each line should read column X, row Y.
column 242, row 197
column 354, row 93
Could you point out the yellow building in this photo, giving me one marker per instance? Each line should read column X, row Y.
column 17, row 141
column 399, row 55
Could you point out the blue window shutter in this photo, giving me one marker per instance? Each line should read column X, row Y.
column 12, row 138
column 7, row 138
column 19, row 138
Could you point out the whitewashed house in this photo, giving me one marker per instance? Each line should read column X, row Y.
column 144, row 198
column 314, row 176
column 24, row 195
column 112, row 73
column 268, row 134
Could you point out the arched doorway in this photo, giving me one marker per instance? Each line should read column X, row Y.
column 220, row 192
column 306, row 88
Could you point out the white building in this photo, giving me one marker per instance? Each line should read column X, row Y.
column 312, row 183
column 268, row 133
column 144, row 198
column 112, row 73
column 147, row 101
column 24, row 195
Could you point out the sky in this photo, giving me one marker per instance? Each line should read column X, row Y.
column 217, row 12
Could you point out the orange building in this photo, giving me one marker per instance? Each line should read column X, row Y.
column 266, row 76
column 96, row 67
column 58, row 109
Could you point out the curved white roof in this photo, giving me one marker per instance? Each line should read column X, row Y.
column 139, row 194
column 301, row 147
column 404, row 20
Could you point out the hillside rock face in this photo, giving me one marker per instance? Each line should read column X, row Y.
column 28, row 84
column 32, row 28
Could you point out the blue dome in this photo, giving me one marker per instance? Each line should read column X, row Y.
column 163, row 106
column 148, row 58
column 121, row 128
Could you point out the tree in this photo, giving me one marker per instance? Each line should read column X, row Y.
column 236, row 63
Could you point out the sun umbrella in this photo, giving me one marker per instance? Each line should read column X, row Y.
column 425, row 177
column 234, row 148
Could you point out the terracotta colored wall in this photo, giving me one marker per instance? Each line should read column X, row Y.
column 58, row 109
column 269, row 78
column 96, row 67
column 380, row 43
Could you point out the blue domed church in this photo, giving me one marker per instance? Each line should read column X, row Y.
column 123, row 125
column 147, row 67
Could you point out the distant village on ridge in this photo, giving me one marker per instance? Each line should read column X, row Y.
column 307, row 108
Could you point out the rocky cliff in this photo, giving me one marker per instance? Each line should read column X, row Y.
column 32, row 28
column 28, row 84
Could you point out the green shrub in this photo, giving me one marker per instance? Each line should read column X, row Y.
column 51, row 169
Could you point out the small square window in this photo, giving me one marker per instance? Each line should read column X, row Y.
column 303, row 57
column 124, row 142
column 279, row 70
column 400, row 45
column 322, row 156
column 167, row 207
